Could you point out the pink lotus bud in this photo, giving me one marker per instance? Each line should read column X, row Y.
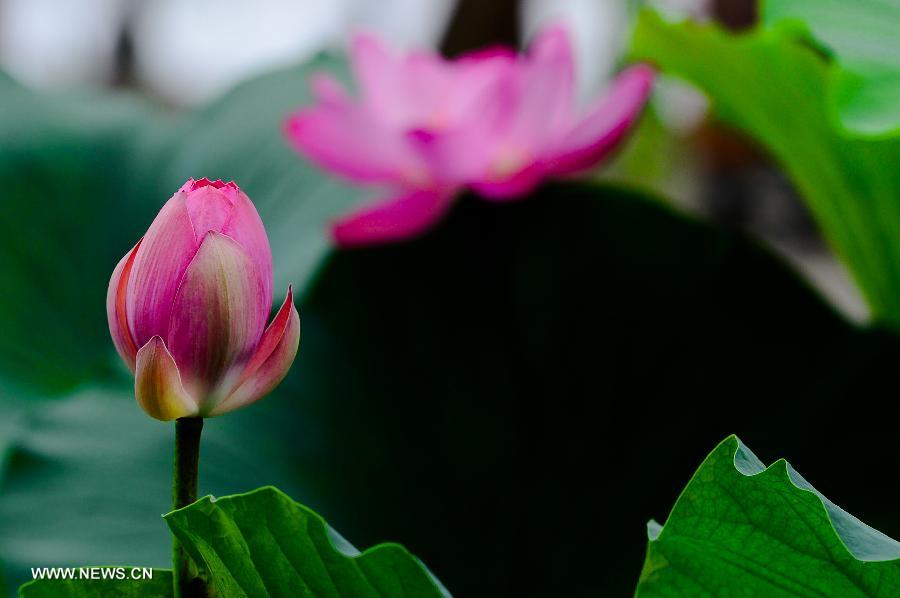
column 188, row 305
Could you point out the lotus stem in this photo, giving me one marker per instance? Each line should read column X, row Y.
column 187, row 581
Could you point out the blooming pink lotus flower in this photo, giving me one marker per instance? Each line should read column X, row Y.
column 426, row 127
column 188, row 306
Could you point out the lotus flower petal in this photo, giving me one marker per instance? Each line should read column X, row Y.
column 395, row 219
column 246, row 228
column 345, row 138
column 509, row 186
column 328, row 90
column 604, row 126
column 218, row 314
column 550, row 55
column 116, row 313
column 165, row 252
column 223, row 207
column 208, row 205
column 271, row 361
column 157, row 383
column 451, row 156
column 379, row 74
column 544, row 102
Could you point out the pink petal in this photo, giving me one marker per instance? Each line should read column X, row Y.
column 377, row 72
column 157, row 384
column 420, row 89
column 424, row 93
column 116, row 308
column 547, row 97
column 209, row 208
column 328, row 90
column 598, row 133
column 397, row 219
column 488, row 53
column 271, row 361
column 218, row 315
column 452, row 157
column 245, row 227
column 224, row 208
column 347, row 140
column 511, row 186
column 165, row 252
column 398, row 91
column 476, row 81
column 535, row 100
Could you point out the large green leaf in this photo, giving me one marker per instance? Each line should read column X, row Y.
column 771, row 88
column 262, row 543
column 158, row 586
column 68, row 207
column 862, row 35
column 740, row 528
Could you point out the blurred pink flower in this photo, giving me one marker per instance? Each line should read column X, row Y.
column 426, row 127
column 188, row 306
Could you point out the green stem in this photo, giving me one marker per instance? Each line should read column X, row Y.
column 188, row 583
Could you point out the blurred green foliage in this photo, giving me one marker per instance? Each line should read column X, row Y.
column 864, row 90
column 773, row 90
column 68, row 205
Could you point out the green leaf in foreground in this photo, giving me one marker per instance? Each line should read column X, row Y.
column 262, row 543
column 863, row 37
column 740, row 528
column 770, row 88
column 159, row 586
